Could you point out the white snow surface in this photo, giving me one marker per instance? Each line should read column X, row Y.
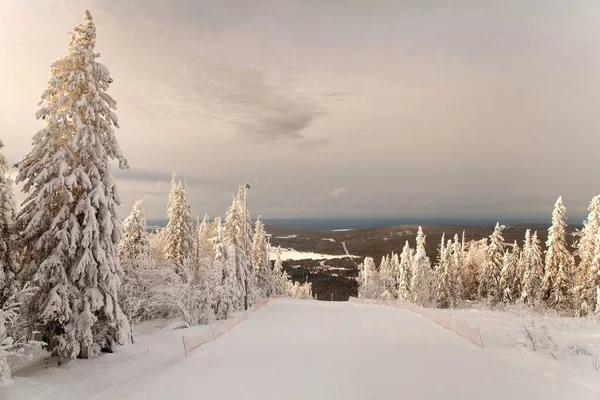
column 291, row 254
column 306, row 349
column 286, row 237
column 342, row 230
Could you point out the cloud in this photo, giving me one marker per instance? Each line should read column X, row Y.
column 159, row 178
column 258, row 111
column 338, row 192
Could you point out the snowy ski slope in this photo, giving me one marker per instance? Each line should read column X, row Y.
column 302, row 349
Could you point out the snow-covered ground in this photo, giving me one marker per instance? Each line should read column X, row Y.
column 342, row 230
column 299, row 349
column 286, row 237
column 569, row 347
column 291, row 254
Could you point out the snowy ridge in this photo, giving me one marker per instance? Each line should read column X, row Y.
column 449, row 322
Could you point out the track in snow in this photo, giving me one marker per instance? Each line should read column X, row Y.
column 299, row 349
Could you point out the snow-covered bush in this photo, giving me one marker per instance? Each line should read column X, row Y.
column 158, row 242
column 189, row 298
column 369, row 281
column 13, row 343
column 474, row 260
column 535, row 336
column 299, row 290
column 158, row 291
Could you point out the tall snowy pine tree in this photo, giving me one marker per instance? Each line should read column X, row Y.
column 236, row 243
column 387, row 279
column 532, row 265
column 591, row 287
column 557, row 279
column 489, row 279
column 458, row 256
column 68, row 224
column 227, row 293
column 180, row 232
column 422, row 276
column 8, row 269
column 135, row 246
column 405, row 273
column 260, row 257
column 510, row 277
column 278, row 278
column 445, row 283
column 205, row 249
column 585, row 290
column 246, row 238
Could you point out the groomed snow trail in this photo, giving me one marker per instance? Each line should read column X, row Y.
column 300, row 349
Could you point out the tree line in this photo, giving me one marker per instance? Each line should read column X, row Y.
column 496, row 272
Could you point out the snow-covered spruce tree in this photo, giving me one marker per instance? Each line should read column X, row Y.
column 8, row 268
column 489, row 278
column 277, row 281
column 585, row 250
column 235, row 242
column 388, row 282
column 247, row 240
column 590, row 301
column 369, row 282
column 517, row 281
column 524, row 267
column 180, row 232
column 457, row 264
column 68, row 223
column 422, row 276
column 405, row 273
column 556, row 285
column 135, row 246
column 260, row 260
column 441, row 249
column 510, row 277
column 474, row 262
column 226, row 290
column 205, row 249
column 134, row 253
column 532, row 265
column 395, row 265
column 445, row 283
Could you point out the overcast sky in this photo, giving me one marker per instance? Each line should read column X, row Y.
column 333, row 108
